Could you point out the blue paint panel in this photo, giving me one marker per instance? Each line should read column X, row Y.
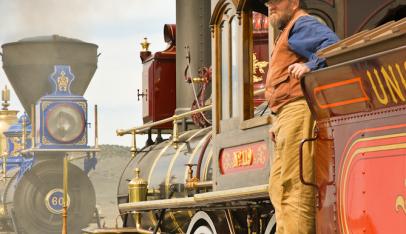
column 61, row 79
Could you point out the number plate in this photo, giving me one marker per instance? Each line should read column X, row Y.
column 54, row 201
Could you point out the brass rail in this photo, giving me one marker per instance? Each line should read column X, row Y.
column 174, row 119
column 143, row 128
column 199, row 200
column 65, row 195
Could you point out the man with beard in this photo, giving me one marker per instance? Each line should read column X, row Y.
column 293, row 55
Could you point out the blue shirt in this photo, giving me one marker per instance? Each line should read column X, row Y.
column 308, row 36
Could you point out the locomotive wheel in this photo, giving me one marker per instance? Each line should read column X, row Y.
column 203, row 230
column 207, row 223
column 271, row 227
column 38, row 202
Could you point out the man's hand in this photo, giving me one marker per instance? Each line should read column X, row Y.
column 272, row 135
column 297, row 70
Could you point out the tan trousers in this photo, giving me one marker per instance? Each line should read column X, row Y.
column 294, row 202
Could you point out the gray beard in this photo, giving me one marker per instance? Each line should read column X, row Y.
column 280, row 24
column 283, row 21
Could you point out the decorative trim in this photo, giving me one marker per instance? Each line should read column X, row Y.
column 218, row 12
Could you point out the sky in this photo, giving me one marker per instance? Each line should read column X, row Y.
column 117, row 27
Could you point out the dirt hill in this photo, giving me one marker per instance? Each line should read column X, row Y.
column 111, row 161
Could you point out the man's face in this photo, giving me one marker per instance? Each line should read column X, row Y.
column 280, row 11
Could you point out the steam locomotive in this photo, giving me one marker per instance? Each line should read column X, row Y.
column 50, row 75
column 211, row 175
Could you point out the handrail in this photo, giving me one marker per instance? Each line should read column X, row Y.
column 174, row 119
column 143, row 128
column 259, row 91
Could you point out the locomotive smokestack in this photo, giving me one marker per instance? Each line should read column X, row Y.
column 29, row 62
column 192, row 24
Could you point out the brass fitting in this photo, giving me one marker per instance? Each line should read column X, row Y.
column 5, row 96
column 153, row 192
column 199, row 80
column 133, row 148
column 191, row 181
column 145, row 44
column 137, row 191
column 175, row 133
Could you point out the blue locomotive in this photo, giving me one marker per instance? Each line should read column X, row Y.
column 49, row 75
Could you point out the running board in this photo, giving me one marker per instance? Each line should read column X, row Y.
column 198, row 200
column 116, row 231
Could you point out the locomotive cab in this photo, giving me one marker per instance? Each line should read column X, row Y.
column 241, row 144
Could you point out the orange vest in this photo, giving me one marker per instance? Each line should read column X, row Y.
column 280, row 88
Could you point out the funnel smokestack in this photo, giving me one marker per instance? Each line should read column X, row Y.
column 29, row 62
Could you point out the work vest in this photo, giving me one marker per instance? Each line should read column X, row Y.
column 280, row 88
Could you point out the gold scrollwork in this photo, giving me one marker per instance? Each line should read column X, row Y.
column 45, row 141
column 63, row 82
column 83, row 105
column 401, row 204
column 260, row 157
column 227, row 163
column 45, row 104
column 258, row 65
column 17, row 146
column 82, row 141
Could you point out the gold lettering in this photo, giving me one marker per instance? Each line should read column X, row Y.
column 392, row 84
column 402, row 78
column 383, row 100
column 237, row 156
column 243, row 158
column 404, row 65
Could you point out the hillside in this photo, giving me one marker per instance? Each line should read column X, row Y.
column 111, row 161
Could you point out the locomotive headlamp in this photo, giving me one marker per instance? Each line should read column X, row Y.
column 65, row 122
column 63, row 116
